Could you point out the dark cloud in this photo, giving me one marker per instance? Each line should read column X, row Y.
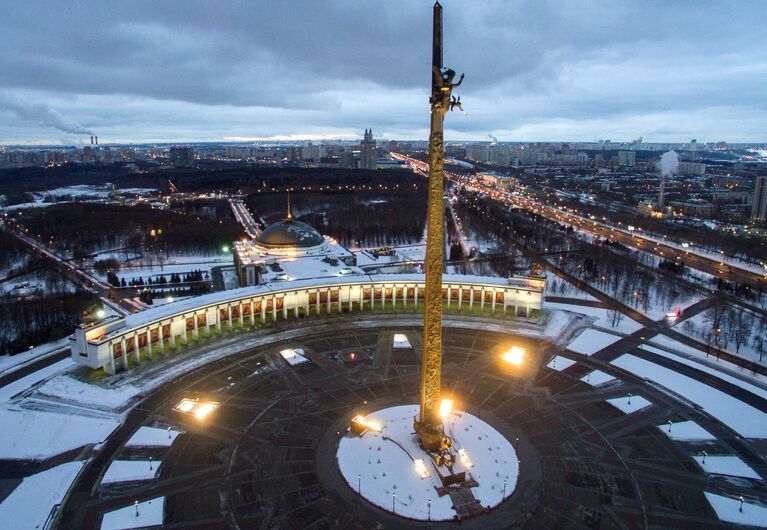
column 199, row 69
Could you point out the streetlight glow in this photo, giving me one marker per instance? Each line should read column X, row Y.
column 514, row 356
column 445, row 408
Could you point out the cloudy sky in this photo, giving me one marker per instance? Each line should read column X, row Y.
column 535, row 70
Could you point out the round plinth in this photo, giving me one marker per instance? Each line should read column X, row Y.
column 383, row 467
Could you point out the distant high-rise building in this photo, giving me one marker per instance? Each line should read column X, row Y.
column 87, row 153
column 368, row 151
column 759, row 208
column 393, row 147
column 182, row 156
column 627, row 158
column 693, row 145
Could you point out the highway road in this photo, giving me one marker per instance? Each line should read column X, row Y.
column 244, row 217
column 626, row 236
column 76, row 275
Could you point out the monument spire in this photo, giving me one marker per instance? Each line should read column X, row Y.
column 429, row 423
column 290, row 214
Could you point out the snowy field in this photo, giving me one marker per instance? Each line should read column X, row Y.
column 21, row 430
column 153, row 437
column 559, row 363
column 728, row 509
column 591, row 341
column 29, row 505
column 20, row 385
column 739, row 416
column 597, row 377
column 627, row 404
column 70, row 389
column 150, row 513
column 386, row 474
column 130, row 470
column 626, row 325
column 686, row 431
column 726, row 465
column 756, row 390
column 11, row 362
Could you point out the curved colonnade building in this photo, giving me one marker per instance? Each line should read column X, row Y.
column 291, row 271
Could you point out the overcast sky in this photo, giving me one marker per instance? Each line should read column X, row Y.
column 535, row 70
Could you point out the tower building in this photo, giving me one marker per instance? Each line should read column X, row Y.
column 368, row 150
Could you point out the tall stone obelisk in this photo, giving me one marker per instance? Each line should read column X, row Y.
column 429, row 424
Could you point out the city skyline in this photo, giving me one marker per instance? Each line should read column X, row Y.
column 230, row 72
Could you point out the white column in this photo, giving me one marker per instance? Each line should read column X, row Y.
column 218, row 319
column 308, row 305
column 136, row 355
column 415, row 298
column 482, row 300
column 242, row 324
column 394, row 297
column 351, row 306
column 274, row 308
column 460, row 297
column 505, row 304
column 285, row 306
column 110, row 368
column 383, row 296
column 252, row 313
column 493, row 309
column 173, row 335
column 196, row 327
column 124, row 358
column 471, row 298
column 449, row 296
column 317, row 301
column 161, row 339
column 148, row 335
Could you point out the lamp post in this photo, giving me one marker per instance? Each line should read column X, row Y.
column 504, row 489
column 741, row 504
column 393, row 497
column 135, row 504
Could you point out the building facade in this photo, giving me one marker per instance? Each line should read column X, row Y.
column 116, row 343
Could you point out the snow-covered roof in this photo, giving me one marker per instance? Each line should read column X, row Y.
column 183, row 306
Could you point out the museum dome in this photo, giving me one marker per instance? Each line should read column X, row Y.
column 289, row 233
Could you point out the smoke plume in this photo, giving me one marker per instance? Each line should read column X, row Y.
column 41, row 114
column 669, row 162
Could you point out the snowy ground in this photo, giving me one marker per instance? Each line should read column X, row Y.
column 130, row 470
column 559, row 363
column 728, row 509
column 686, row 431
column 20, row 385
column 715, row 371
column 378, row 467
column 22, row 440
column 739, row 416
column 627, row 404
column 152, row 437
column 626, row 325
column 29, row 505
column 294, row 356
column 591, row 341
column 11, row 362
column 596, row 378
column 150, row 513
column 726, row 465
column 400, row 342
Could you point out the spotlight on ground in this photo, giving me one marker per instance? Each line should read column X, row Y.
column 199, row 409
column 420, row 468
column 514, row 356
column 360, row 424
column 445, row 408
